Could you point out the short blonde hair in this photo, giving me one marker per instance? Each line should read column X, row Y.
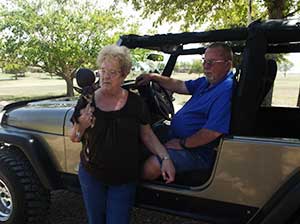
column 120, row 53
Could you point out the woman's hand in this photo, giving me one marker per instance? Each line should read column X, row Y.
column 86, row 118
column 168, row 170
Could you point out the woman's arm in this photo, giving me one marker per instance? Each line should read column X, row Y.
column 153, row 144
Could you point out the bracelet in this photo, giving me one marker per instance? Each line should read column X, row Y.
column 165, row 158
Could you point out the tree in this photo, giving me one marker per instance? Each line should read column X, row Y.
column 217, row 13
column 56, row 35
column 196, row 67
column 284, row 66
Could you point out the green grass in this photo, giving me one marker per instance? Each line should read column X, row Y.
column 33, row 85
column 36, row 85
column 285, row 92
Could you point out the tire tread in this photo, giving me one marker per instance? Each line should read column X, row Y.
column 37, row 198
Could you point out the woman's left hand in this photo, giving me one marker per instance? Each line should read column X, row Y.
column 168, row 171
column 86, row 116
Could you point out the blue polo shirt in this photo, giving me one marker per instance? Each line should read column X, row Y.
column 209, row 107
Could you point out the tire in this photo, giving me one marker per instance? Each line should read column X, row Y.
column 23, row 199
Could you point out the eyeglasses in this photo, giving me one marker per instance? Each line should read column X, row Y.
column 111, row 73
column 212, row 62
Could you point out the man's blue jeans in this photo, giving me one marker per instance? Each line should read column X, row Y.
column 106, row 204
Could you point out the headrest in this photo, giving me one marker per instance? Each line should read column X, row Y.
column 271, row 69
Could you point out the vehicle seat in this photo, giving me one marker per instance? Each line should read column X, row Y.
column 268, row 79
column 239, row 116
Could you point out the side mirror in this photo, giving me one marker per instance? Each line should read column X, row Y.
column 155, row 57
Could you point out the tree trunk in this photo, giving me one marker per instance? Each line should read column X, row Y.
column 70, row 91
column 275, row 8
column 275, row 11
column 249, row 12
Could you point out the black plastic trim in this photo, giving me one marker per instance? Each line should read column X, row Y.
column 206, row 210
column 37, row 154
column 275, row 31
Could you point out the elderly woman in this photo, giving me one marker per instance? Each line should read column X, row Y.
column 111, row 128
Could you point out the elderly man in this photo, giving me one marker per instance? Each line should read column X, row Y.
column 197, row 127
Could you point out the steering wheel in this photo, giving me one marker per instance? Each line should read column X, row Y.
column 162, row 100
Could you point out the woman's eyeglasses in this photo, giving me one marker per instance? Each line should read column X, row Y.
column 111, row 73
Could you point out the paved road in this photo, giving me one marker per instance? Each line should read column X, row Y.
column 67, row 208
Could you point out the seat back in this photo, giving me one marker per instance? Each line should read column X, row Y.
column 248, row 87
column 267, row 79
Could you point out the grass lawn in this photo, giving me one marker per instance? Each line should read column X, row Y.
column 35, row 85
column 285, row 92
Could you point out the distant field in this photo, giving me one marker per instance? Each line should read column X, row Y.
column 285, row 92
column 41, row 85
column 286, row 89
column 31, row 86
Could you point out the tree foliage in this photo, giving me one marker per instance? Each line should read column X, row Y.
column 194, row 66
column 216, row 13
column 57, row 36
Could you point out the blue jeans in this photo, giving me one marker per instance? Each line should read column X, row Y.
column 110, row 204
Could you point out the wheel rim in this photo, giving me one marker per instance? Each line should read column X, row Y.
column 6, row 205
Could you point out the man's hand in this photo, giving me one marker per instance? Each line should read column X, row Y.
column 168, row 171
column 144, row 79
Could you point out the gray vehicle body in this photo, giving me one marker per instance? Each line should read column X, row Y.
column 256, row 176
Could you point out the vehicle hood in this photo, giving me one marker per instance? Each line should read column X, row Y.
column 46, row 116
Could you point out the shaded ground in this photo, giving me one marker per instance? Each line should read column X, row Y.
column 67, row 208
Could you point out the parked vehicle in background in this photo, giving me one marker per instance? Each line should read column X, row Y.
column 255, row 178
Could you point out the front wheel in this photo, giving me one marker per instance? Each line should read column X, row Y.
column 23, row 199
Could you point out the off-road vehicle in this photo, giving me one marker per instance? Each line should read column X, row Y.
column 256, row 175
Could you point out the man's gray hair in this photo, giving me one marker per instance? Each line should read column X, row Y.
column 227, row 51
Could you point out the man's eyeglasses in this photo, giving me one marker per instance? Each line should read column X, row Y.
column 212, row 62
column 111, row 73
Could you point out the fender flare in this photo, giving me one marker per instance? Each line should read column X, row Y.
column 283, row 203
column 40, row 160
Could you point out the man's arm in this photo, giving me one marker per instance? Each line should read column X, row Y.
column 201, row 137
column 168, row 83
